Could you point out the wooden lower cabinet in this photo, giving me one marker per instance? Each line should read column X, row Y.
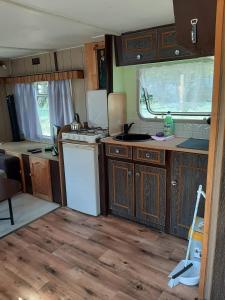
column 162, row 197
column 188, row 171
column 27, row 174
column 150, row 183
column 41, row 178
column 121, row 188
column 55, row 181
column 138, row 192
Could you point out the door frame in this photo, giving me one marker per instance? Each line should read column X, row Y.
column 215, row 158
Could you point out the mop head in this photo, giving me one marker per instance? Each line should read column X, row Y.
column 186, row 272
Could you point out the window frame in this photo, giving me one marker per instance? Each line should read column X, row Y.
column 200, row 118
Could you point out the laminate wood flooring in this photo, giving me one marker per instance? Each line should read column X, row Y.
column 66, row 255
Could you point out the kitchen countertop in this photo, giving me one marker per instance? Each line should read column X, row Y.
column 164, row 145
column 22, row 147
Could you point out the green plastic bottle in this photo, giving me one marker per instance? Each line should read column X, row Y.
column 168, row 125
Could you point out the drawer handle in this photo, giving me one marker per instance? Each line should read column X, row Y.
column 117, row 151
column 138, row 174
column 147, row 155
column 174, row 182
column 177, row 52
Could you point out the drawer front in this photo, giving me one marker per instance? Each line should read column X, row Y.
column 119, row 151
column 167, row 45
column 152, row 156
column 139, row 48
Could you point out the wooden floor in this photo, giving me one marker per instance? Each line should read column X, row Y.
column 70, row 256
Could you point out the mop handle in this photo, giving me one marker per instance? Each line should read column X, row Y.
column 199, row 193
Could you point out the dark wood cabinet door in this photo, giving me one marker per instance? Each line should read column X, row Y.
column 41, row 177
column 150, row 195
column 205, row 12
column 140, row 47
column 55, row 181
column 188, row 171
column 168, row 47
column 121, row 188
column 27, row 174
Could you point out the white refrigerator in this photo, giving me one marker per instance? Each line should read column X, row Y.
column 81, row 176
column 81, row 160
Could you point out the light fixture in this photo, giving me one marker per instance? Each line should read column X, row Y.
column 97, row 36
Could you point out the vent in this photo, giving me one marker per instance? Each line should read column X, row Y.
column 36, row 61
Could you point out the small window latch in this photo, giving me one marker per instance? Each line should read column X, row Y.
column 194, row 30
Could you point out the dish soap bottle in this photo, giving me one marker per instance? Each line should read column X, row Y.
column 168, row 125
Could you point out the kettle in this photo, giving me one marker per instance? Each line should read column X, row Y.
column 76, row 125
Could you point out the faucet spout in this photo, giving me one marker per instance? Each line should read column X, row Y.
column 127, row 127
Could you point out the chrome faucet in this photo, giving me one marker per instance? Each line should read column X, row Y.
column 127, row 127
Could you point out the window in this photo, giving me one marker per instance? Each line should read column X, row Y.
column 182, row 87
column 41, row 89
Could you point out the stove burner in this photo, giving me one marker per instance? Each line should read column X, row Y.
column 89, row 135
column 93, row 130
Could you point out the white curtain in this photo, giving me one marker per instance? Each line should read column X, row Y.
column 27, row 112
column 60, row 102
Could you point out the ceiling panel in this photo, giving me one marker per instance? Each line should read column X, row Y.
column 42, row 25
column 10, row 53
column 116, row 15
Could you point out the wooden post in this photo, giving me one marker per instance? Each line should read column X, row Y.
column 215, row 170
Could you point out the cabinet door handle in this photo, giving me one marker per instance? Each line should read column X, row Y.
column 129, row 173
column 174, row 182
column 117, row 151
column 137, row 174
column 194, row 30
column 139, row 56
column 147, row 155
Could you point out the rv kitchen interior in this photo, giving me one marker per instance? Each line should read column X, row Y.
column 112, row 150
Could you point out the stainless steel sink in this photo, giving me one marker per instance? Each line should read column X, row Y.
column 132, row 137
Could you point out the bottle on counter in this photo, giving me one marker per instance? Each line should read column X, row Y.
column 168, row 124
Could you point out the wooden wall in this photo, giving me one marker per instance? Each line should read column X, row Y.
column 7, row 72
column 212, row 284
column 68, row 59
column 5, row 128
column 218, row 279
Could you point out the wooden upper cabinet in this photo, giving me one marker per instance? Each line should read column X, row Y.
column 121, row 188
column 188, row 171
column 168, row 47
column 41, row 178
column 150, row 195
column 146, row 46
column 205, row 13
column 171, row 42
column 137, row 48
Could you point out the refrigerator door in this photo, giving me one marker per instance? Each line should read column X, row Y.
column 81, row 177
column 97, row 111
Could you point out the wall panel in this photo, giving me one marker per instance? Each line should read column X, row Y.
column 5, row 127
column 68, row 59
